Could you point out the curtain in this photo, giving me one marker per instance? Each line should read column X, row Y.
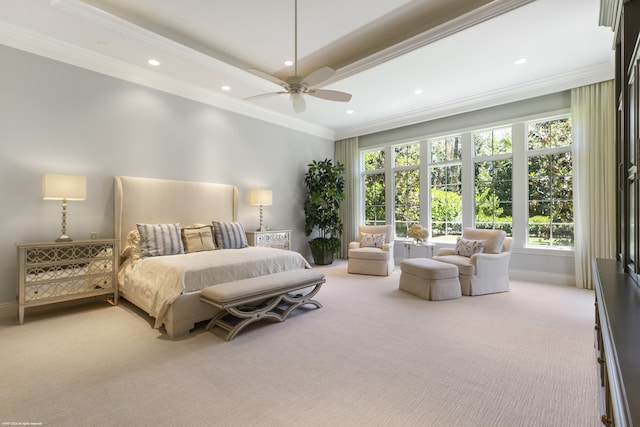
column 346, row 152
column 594, row 175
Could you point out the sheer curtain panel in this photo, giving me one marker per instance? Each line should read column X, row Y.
column 594, row 174
column 346, row 152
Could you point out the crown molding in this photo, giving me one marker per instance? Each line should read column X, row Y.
column 553, row 84
column 39, row 44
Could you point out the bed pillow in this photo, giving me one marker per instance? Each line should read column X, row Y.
column 368, row 240
column 229, row 235
column 197, row 239
column 468, row 247
column 160, row 239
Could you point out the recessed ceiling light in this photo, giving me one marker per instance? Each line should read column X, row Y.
column 225, row 87
column 418, row 91
column 288, row 63
column 520, row 61
column 350, row 111
column 154, row 62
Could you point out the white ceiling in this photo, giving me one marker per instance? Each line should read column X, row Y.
column 461, row 53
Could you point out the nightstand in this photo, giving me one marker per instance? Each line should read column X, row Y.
column 280, row 239
column 62, row 271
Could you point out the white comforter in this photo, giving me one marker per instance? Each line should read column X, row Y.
column 158, row 281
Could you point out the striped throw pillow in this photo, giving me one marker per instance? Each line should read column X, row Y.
column 229, row 235
column 160, row 239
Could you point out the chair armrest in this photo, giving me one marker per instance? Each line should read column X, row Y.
column 388, row 247
column 354, row 245
column 491, row 264
column 446, row 251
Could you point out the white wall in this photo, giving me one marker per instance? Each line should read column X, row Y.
column 58, row 118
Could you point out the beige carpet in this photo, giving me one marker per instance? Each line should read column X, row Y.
column 373, row 356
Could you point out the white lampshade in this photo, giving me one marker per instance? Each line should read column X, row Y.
column 260, row 197
column 64, row 187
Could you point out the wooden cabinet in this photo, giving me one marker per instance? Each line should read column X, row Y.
column 617, row 344
column 280, row 239
column 55, row 272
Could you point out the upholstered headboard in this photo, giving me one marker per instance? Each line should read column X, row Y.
column 153, row 201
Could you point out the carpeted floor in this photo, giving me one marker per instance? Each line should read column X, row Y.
column 372, row 356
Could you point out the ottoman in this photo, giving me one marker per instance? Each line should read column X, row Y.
column 429, row 279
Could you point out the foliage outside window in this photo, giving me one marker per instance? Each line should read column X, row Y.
column 493, row 169
column 550, row 178
column 406, row 187
column 446, row 187
column 374, row 187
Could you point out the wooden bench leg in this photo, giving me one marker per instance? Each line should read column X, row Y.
column 296, row 301
column 241, row 317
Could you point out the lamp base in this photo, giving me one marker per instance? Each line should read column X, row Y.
column 64, row 238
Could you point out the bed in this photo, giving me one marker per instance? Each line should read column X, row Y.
column 168, row 287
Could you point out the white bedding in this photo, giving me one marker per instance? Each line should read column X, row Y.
column 158, row 281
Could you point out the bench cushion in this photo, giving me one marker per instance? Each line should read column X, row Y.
column 226, row 293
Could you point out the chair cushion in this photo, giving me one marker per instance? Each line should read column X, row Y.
column 463, row 263
column 369, row 253
column 493, row 239
column 428, row 268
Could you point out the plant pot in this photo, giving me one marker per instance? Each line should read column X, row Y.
column 323, row 250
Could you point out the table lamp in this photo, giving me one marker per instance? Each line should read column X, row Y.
column 64, row 187
column 260, row 198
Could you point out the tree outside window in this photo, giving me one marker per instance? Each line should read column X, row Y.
column 406, row 175
column 550, row 178
column 493, row 179
column 374, row 188
column 446, row 187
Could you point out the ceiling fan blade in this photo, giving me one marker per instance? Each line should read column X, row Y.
column 269, row 77
column 264, row 95
column 331, row 95
column 318, row 76
column 298, row 103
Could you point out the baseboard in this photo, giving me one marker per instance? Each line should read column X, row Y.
column 8, row 309
column 542, row 277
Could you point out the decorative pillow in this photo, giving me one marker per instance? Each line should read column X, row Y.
column 196, row 239
column 372, row 240
column 160, row 239
column 493, row 239
column 229, row 235
column 468, row 247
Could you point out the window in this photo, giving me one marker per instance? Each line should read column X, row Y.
column 493, row 169
column 446, row 187
column 550, row 179
column 374, row 187
column 406, row 187
column 439, row 181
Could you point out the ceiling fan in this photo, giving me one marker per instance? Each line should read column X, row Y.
column 297, row 86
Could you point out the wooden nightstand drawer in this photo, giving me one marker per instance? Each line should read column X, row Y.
column 280, row 239
column 63, row 271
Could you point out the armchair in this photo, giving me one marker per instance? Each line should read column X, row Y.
column 484, row 272
column 373, row 253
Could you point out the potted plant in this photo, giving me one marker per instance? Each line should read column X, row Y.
column 325, row 191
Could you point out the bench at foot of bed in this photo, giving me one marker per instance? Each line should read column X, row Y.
column 246, row 301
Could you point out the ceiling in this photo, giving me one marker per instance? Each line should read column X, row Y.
column 460, row 53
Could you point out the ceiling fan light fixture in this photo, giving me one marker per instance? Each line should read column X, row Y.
column 296, row 86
